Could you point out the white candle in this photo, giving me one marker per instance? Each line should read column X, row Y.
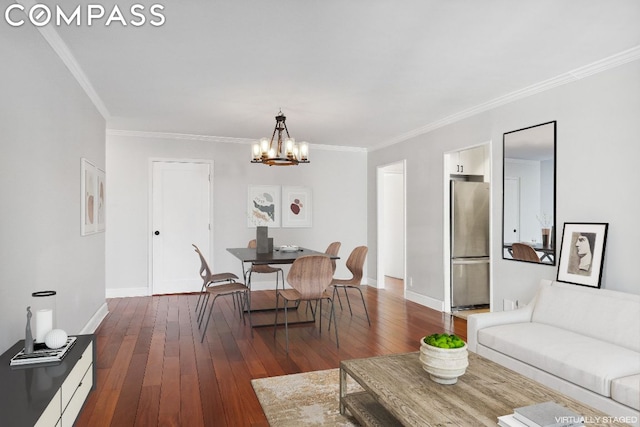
column 44, row 323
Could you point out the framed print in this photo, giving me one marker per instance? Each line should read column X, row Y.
column 582, row 253
column 296, row 207
column 263, row 206
column 92, row 196
column 100, row 200
column 88, row 186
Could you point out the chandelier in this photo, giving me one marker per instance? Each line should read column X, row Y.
column 282, row 151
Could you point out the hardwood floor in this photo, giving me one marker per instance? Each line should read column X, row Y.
column 153, row 370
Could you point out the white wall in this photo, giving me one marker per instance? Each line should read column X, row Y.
column 47, row 124
column 597, row 179
column 337, row 179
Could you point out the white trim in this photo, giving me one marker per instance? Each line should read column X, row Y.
column 219, row 139
column 95, row 320
column 432, row 303
column 128, row 292
column 612, row 61
column 63, row 52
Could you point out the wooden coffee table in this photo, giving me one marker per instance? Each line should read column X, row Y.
column 399, row 392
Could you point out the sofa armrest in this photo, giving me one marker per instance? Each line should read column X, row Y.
column 475, row 322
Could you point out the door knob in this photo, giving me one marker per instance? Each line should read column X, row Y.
column 157, row 233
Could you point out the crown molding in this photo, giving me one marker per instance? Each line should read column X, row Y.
column 216, row 139
column 610, row 62
column 177, row 136
column 63, row 52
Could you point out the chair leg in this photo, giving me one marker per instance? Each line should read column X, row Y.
column 320, row 326
column 209, row 317
column 364, row 305
column 200, row 296
column 335, row 323
column 240, row 304
column 335, row 292
column 203, row 309
column 348, row 302
column 286, row 324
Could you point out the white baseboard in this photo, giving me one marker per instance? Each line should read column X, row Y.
column 429, row 302
column 127, row 292
column 95, row 320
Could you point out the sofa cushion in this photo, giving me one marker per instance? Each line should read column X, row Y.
column 585, row 361
column 591, row 312
column 627, row 391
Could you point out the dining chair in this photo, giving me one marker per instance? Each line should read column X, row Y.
column 355, row 264
column 219, row 289
column 209, row 279
column 333, row 250
column 524, row 252
column 309, row 277
column 263, row 268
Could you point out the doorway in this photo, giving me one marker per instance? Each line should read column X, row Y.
column 391, row 227
column 181, row 206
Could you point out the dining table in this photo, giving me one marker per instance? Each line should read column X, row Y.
column 279, row 255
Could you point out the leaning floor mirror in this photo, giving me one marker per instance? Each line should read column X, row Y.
column 529, row 194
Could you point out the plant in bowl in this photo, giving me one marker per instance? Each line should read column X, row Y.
column 444, row 357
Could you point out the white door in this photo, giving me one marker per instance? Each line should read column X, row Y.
column 181, row 213
column 511, row 210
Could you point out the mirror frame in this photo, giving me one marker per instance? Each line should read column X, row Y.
column 552, row 236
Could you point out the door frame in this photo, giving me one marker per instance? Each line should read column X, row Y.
column 150, row 230
column 380, row 221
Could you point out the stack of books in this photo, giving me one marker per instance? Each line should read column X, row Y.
column 547, row 414
column 42, row 354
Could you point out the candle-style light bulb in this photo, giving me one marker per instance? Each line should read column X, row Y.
column 264, row 145
column 304, row 151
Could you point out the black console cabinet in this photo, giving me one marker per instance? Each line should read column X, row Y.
column 47, row 394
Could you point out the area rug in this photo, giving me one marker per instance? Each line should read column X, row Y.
column 307, row 399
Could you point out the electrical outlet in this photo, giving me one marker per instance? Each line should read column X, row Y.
column 411, row 282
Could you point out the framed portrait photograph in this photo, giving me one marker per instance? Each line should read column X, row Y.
column 296, row 207
column 582, row 253
column 263, row 206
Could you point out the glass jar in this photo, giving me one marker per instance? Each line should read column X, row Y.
column 43, row 308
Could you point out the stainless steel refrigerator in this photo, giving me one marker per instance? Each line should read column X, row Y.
column 469, row 244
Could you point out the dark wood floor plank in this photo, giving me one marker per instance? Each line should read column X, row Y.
column 169, row 412
column 126, row 408
column 153, row 370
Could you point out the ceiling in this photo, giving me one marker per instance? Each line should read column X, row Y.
column 360, row 73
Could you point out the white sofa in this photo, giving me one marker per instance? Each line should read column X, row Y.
column 583, row 342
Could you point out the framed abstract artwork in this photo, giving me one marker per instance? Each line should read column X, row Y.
column 100, row 206
column 88, row 194
column 263, row 206
column 296, row 207
column 582, row 253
